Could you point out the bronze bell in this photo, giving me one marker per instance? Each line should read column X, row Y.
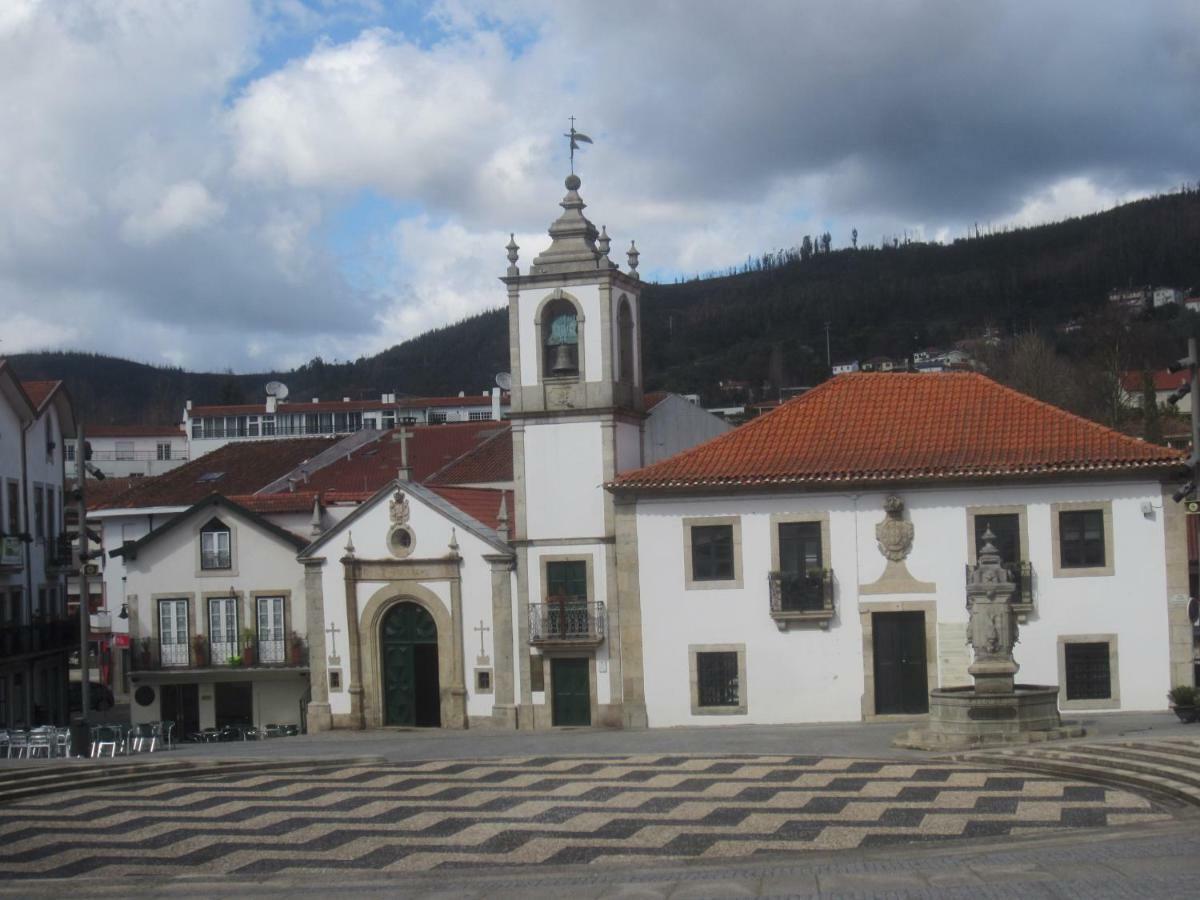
column 564, row 360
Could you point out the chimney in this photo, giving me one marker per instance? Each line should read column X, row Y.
column 496, row 404
column 272, row 403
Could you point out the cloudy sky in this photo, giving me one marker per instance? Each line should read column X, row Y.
column 237, row 184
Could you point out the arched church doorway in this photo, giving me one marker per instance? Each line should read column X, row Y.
column 409, row 650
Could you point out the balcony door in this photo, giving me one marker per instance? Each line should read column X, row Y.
column 800, row 566
column 1006, row 528
column 271, row 636
column 223, row 629
column 173, row 632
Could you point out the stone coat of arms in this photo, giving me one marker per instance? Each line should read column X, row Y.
column 894, row 534
column 398, row 510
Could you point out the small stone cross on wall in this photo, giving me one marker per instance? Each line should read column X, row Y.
column 333, row 632
column 482, row 629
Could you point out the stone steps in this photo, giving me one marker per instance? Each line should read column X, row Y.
column 1169, row 769
column 60, row 775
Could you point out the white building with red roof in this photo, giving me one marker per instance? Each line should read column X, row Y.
column 809, row 566
column 37, row 632
column 137, row 451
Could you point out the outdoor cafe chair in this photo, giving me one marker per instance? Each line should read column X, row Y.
column 106, row 736
column 4, row 742
column 62, row 742
column 41, row 741
column 18, row 745
column 143, row 733
column 166, row 733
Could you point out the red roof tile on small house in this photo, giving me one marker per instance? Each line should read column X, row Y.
column 166, row 430
column 871, row 428
column 1163, row 380
column 38, row 391
column 488, row 462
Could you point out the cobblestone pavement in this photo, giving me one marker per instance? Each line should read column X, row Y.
column 409, row 817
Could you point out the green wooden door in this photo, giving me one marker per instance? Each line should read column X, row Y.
column 409, row 650
column 901, row 684
column 572, row 703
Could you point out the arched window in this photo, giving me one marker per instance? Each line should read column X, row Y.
column 625, row 335
column 215, row 552
column 560, row 339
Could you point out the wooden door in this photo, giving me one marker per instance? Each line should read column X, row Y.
column 408, row 642
column 180, row 703
column 572, row 695
column 901, row 683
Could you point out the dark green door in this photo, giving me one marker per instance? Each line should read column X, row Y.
column 411, row 694
column 901, row 685
column 572, row 692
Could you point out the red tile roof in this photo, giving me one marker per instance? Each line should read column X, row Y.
column 38, row 391
column 488, row 462
column 289, row 502
column 654, row 398
column 869, row 427
column 430, row 448
column 244, row 467
column 1163, row 380
column 134, row 431
column 481, row 504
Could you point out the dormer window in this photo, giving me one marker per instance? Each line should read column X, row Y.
column 215, row 546
column 560, row 339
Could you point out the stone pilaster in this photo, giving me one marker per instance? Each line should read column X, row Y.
column 629, row 601
column 354, row 644
column 504, row 708
column 458, row 693
column 1179, row 627
column 319, row 717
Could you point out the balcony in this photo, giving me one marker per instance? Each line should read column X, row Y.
column 60, row 556
column 203, row 653
column 12, row 554
column 1022, row 576
column 40, row 637
column 799, row 597
column 175, row 455
column 567, row 622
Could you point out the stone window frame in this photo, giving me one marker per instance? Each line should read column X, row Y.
column 484, row 670
column 734, row 583
column 1110, row 548
column 1113, row 701
column 694, row 680
column 580, row 356
column 820, row 517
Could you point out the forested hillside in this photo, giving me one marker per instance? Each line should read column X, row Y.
column 766, row 323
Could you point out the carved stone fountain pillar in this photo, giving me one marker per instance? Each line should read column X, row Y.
column 992, row 627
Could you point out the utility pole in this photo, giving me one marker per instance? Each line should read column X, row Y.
column 82, row 555
column 1192, row 386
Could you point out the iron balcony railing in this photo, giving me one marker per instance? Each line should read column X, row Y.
column 1022, row 576
column 567, row 619
column 137, row 456
column 203, row 653
column 40, row 637
column 801, row 592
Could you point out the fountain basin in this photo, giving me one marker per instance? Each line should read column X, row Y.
column 963, row 718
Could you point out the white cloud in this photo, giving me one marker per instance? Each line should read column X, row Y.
column 184, row 205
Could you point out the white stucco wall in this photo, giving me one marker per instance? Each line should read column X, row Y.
column 629, row 447
column 675, row 425
column 810, row 675
column 564, row 471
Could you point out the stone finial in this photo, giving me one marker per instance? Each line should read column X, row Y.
column 512, row 249
column 350, row 543
column 633, row 255
column 314, row 527
column 603, row 241
column 454, row 554
column 502, row 518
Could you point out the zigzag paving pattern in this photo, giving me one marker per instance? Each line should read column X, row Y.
column 408, row 817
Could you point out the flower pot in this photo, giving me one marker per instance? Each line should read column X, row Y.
column 248, row 657
column 1185, row 713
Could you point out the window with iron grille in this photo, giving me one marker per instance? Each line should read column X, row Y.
column 717, row 679
column 1081, row 538
column 712, row 553
column 215, row 546
column 1087, row 669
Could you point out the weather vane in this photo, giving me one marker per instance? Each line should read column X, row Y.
column 575, row 137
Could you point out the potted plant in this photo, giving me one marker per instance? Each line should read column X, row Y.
column 297, row 646
column 247, row 647
column 1183, row 701
column 235, row 661
column 199, row 651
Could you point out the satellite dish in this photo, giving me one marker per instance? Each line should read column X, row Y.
column 277, row 389
column 504, row 381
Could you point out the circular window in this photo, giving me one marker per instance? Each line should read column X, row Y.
column 144, row 695
column 401, row 541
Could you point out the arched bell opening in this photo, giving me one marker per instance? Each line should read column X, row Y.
column 560, row 339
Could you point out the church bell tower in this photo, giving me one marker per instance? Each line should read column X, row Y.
column 574, row 325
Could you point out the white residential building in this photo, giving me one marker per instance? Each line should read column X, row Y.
column 36, row 631
column 122, row 451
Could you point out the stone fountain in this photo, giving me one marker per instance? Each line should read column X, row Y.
column 995, row 710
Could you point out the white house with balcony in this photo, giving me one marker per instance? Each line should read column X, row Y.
column 217, row 620
column 208, row 427
column 123, row 451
